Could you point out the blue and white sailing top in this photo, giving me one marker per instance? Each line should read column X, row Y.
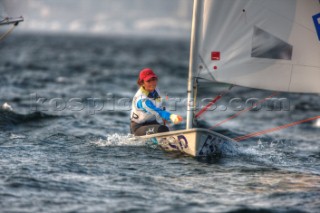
column 147, row 107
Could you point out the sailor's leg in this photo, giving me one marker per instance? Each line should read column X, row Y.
column 150, row 129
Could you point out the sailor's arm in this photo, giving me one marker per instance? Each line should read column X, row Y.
column 148, row 106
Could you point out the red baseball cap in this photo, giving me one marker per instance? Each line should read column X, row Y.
column 146, row 74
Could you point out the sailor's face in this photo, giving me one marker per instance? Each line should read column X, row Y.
column 150, row 85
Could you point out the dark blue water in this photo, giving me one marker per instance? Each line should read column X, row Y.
column 65, row 146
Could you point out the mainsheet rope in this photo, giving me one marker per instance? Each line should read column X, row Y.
column 245, row 110
column 212, row 102
column 255, row 134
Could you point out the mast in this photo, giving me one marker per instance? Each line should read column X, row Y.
column 194, row 46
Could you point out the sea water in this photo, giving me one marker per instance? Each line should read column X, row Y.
column 65, row 143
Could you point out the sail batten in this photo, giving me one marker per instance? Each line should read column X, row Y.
column 271, row 45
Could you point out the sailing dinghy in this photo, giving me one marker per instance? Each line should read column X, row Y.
column 270, row 45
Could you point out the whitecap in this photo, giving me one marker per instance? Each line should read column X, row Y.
column 119, row 140
column 14, row 136
column 6, row 107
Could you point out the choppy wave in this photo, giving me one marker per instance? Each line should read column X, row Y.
column 118, row 140
column 9, row 119
column 87, row 161
column 280, row 154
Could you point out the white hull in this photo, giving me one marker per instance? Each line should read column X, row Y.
column 194, row 142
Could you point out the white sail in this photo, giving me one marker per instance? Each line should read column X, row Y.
column 266, row 44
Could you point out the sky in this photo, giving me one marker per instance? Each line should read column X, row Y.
column 130, row 17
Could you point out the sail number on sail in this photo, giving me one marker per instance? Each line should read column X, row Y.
column 316, row 20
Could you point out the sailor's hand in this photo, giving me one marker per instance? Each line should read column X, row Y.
column 175, row 118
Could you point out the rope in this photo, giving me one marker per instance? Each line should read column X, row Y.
column 8, row 32
column 245, row 110
column 241, row 138
column 212, row 102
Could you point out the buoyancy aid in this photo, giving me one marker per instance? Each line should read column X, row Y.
column 146, row 107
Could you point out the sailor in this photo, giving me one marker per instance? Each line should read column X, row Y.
column 147, row 107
